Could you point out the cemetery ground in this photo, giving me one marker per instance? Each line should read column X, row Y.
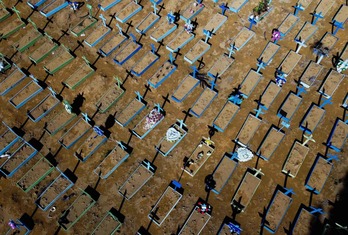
column 14, row 202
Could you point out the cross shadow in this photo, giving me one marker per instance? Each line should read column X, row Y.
column 13, row 55
column 30, row 14
column 65, row 33
column 311, row 197
column 61, row 91
column 147, row 86
column 129, row 74
column 185, row 163
column 257, row 159
column 98, row 181
column 287, row 230
column 97, row 111
column 110, row 121
column 23, row 124
column 130, row 137
column 57, row 152
column 49, row 20
column 153, row 215
column 236, row 208
column 155, row 157
column 79, row 44
column 122, row 202
column 160, row 44
column 210, row 184
column 212, row 131
column 57, row 230
column 34, row 212
column 160, row 8
column 77, row 103
column 18, row 1
column 177, row 53
column 43, row 133
column 76, row 166
column 111, row 19
column 47, row 76
column 187, row 114
column 263, row 219
column 286, row 178
column 320, row 96
column 31, row 64
column 165, row 100
column 201, row 64
column 129, row 25
column 96, row 60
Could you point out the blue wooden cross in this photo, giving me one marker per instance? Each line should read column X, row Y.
column 298, row 7
column 260, row 65
column 122, row 146
column 284, row 124
column 252, row 22
column 289, row 191
column 119, row 29
column 171, row 18
column 171, row 58
column 234, row 155
column 215, row 1
column 223, row 8
column 103, row 19
column 195, row 70
column 317, row 16
column 235, row 100
column 333, row 147
column 85, row 117
column 153, row 48
column 332, row 157
column 280, row 71
column 346, row 121
column 181, row 123
column 155, row 3
column 235, row 229
column 300, row 90
column 259, row 111
column 176, row 185
column 231, row 50
column 316, row 210
column 338, row 25
column 326, row 101
column 52, row 91
column 213, row 83
column 159, row 108
column 148, row 165
column 208, row 34
column 134, row 39
column 139, row 97
column 199, row 1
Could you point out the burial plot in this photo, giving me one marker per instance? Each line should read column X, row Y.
column 128, row 11
column 242, row 38
column 137, row 179
column 187, row 85
column 327, row 42
column 52, row 7
column 225, row 116
column 322, row 8
column 163, row 31
column 289, row 63
column 110, row 97
column 112, row 161
column 306, row 32
column 79, row 76
column 310, row 75
column 191, row 11
column 173, row 136
column 228, row 227
column 288, row 23
column 127, row 52
column 28, row 40
column 147, row 23
column 62, row 59
column 4, row 13
column 295, row 159
column 270, row 94
column 162, row 74
column 29, row 91
column 8, row 150
column 5, row 66
column 332, row 81
column 35, row 175
column 54, row 191
column 166, row 203
column 318, row 174
column 303, row 4
column 180, row 40
column 270, row 143
column 110, row 224
column 215, row 23
column 338, row 135
column 76, row 210
column 199, row 156
column 289, row 106
column 203, row 102
column 44, row 107
column 93, row 142
column 276, row 210
column 12, row 80
column 98, row 34
column 312, row 118
column 220, row 66
column 236, row 5
column 303, row 221
column 246, row 189
column 75, row 133
column 35, row 3
column 83, row 26
column 249, row 128
column 141, row 66
column 107, row 4
column 149, row 122
column 112, row 44
column 198, row 218
column 20, row 157
column 132, row 109
column 11, row 27
column 224, row 171
column 197, row 51
column 44, row 50
column 60, row 120
column 8, row 138
column 268, row 53
column 340, row 18
column 249, row 83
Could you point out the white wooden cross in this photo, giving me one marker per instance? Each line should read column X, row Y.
column 308, row 138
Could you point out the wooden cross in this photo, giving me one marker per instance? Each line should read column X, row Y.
column 332, row 157
column 316, row 210
column 103, row 19
column 308, row 138
column 119, row 29
column 181, row 123
column 67, row 106
column 260, row 65
column 317, row 16
column 159, row 108
column 195, row 70
column 148, row 165
column 122, row 146
column 17, row 12
column 326, row 101
column 257, row 172
column 85, row 59
column 259, row 111
column 300, row 43
column 119, row 83
column 52, row 91
column 223, row 8
column 90, row 14
column 171, row 58
column 208, row 34
column 139, row 97
column 289, row 191
column 300, row 90
column 171, row 18
column 298, row 7
column 231, row 49
column 85, row 117
column 33, row 23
